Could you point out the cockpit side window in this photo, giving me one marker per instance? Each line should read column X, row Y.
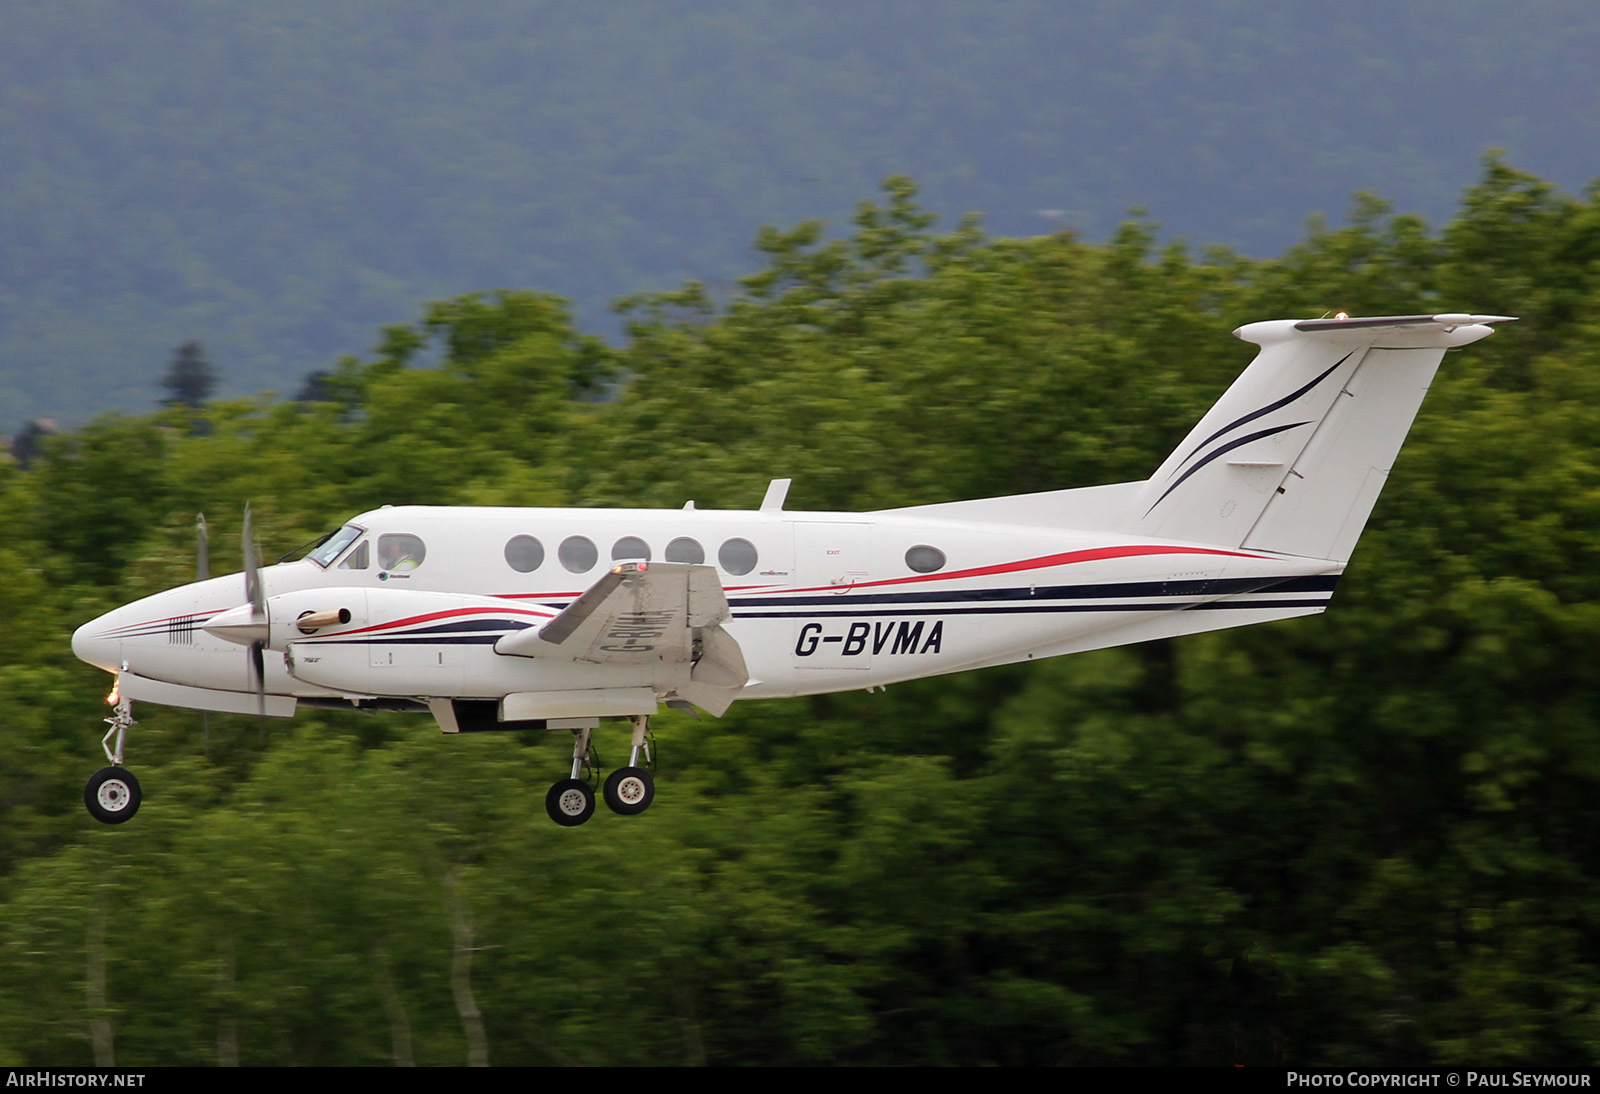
column 357, row 559
column 329, row 549
column 400, row 551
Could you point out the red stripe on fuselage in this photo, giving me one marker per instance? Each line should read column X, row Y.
column 196, row 616
column 1066, row 558
column 449, row 613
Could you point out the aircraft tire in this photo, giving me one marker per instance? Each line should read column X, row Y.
column 629, row 790
column 112, row 795
column 570, row 802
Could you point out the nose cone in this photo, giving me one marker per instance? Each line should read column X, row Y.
column 92, row 645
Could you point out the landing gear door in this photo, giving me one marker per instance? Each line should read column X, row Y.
column 831, row 559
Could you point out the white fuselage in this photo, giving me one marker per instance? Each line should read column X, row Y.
column 819, row 602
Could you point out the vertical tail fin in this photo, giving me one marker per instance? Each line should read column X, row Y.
column 1292, row 457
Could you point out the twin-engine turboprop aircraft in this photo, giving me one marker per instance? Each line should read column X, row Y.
column 556, row 618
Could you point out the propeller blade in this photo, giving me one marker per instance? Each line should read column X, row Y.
column 258, row 677
column 202, row 571
column 258, row 612
column 252, row 571
column 202, row 549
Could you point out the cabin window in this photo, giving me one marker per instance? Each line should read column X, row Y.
column 400, row 551
column 578, row 554
column 524, row 554
column 630, row 547
column 328, row 550
column 358, row 559
column 924, row 559
column 737, row 556
column 684, row 549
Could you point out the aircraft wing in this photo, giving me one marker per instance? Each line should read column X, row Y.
column 644, row 612
column 638, row 613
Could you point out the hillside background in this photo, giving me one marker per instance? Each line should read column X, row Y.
column 277, row 180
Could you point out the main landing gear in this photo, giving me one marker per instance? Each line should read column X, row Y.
column 628, row 790
column 112, row 795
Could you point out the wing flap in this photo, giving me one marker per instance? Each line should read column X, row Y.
column 643, row 613
column 637, row 614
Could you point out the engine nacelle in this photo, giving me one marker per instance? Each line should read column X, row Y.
column 390, row 641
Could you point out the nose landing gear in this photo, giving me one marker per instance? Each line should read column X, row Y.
column 112, row 795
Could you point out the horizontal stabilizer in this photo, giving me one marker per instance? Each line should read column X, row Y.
column 1417, row 324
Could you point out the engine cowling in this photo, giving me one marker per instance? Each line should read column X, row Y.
column 389, row 641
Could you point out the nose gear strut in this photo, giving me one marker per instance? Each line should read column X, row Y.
column 112, row 795
column 121, row 718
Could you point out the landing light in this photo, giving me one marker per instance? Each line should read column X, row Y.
column 116, row 688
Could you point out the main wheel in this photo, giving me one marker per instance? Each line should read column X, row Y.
column 629, row 790
column 112, row 795
column 570, row 802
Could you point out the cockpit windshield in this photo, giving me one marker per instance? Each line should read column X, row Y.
column 330, row 548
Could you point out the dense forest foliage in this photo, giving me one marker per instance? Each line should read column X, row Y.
column 277, row 179
column 1371, row 836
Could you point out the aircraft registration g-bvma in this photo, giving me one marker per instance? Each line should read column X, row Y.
column 502, row 618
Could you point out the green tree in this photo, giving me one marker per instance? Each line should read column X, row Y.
column 190, row 379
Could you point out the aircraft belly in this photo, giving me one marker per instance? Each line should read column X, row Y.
column 1171, row 625
column 495, row 675
column 146, row 690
